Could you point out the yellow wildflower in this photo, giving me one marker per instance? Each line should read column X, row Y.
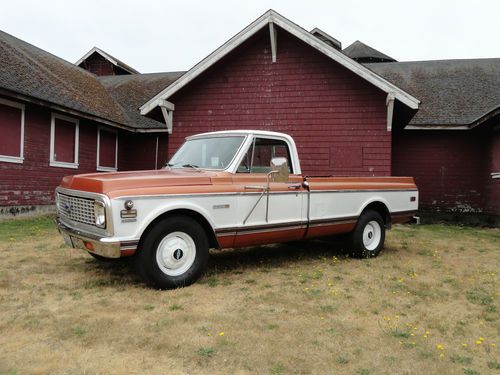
column 439, row 347
column 221, row 333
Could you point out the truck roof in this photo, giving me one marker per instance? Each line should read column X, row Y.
column 243, row 132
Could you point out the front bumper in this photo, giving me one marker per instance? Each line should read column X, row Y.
column 92, row 243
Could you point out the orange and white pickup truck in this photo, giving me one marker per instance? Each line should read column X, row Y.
column 224, row 190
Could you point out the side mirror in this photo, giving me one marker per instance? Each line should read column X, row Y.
column 279, row 169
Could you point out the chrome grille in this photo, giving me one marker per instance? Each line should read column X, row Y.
column 76, row 209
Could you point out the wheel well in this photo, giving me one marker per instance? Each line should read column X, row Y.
column 212, row 240
column 382, row 209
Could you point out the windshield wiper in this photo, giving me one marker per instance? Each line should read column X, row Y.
column 191, row 166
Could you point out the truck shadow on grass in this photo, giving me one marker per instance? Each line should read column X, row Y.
column 264, row 258
column 273, row 256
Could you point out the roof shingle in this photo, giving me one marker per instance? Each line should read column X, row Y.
column 452, row 92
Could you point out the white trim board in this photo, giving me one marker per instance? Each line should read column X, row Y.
column 273, row 17
column 9, row 158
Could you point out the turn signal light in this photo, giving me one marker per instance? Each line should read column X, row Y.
column 88, row 245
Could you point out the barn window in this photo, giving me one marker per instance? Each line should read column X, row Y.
column 12, row 125
column 63, row 141
column 107, row 150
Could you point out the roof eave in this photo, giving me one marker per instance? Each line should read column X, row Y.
column 274, row 17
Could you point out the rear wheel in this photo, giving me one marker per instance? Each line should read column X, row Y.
column 174, row 253
column 367, row 239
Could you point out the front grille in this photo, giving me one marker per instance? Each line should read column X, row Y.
column 76, row 209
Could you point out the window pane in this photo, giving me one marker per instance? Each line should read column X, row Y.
column 264, row 151
column 10, row 125
column 107, row 149
column 64, row 142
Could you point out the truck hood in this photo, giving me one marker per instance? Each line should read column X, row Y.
column 105, row 183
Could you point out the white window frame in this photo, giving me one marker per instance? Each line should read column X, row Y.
column 62, row 164
column 100, row 168
column 9, row 158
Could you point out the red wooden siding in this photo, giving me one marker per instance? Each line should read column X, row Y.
column 98, row 65
column 448, row 167
column 337, row 119
column 10, row 125
column 107, row 148
column 64, row 141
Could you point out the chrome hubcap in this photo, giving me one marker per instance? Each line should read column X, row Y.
column 372, row 235
column 176, row 253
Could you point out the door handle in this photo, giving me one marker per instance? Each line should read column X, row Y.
column 294, row 186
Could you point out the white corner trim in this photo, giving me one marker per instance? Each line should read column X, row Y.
column 52, row 161
column 167, row 110
column 274, row 41
column 99, row 167
column 11, row 158
column 389, row 102
column 277, row 19
column 495, row 175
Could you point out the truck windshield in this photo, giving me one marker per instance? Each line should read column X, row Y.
column 209, row 153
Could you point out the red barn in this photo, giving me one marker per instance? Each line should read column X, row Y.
column 352, row 112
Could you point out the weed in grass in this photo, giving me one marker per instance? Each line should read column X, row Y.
column 462, row 360
column 149, row 307
column 479, row 296
column 278, row 369
column 212, row 281
column 363, row 371
column 341, row 360
column 327, row 308
column 494, row 365
column 250, row 281
column 79, row 330
column 10, row 372
column 75, row 295
column 271, row 326
column 175, row 307
column 400, row 334
column 206, row 352
column 332, row 331
column 469, row 371
column 425, row 354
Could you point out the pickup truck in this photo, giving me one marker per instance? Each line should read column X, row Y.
column 221, row 190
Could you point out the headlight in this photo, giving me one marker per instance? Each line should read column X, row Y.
column 100, row 214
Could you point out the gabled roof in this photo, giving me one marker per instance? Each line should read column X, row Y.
column 34, row 75
column 107, row 56
column 363, row 53
column 275, row 18
column 456, row 94
column 130, row 91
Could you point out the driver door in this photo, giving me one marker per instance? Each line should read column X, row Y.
column 262, row 216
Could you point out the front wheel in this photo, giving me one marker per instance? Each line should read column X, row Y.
column 367, row 239
column 173, row 254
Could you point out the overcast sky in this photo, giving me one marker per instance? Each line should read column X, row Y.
column 159, row 36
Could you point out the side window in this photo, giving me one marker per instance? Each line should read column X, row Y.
column 12, row 125
column 63, row 142
column 259, row 155
column 107, row 150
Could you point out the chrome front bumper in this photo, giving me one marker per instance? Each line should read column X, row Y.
column 89, row 242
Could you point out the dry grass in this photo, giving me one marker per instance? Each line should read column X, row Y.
column 427, row 305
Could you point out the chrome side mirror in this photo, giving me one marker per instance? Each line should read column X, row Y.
column 279, row 169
